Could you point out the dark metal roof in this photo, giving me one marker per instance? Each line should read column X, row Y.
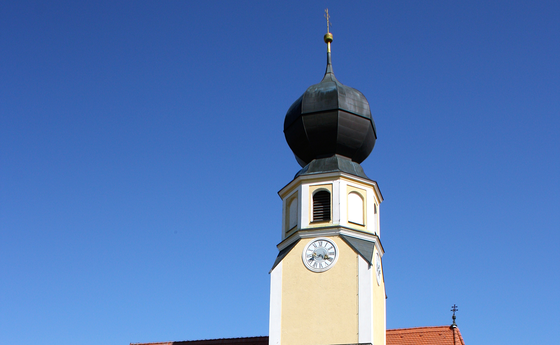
column 332, row 164
column 362, row 247
column 283, row 253
column 330, row 118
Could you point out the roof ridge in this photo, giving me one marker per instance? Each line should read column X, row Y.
column 413, row 329
column 258, row 336
column 200, row 340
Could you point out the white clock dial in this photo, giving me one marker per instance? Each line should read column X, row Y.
column 378, row 268
column 320, row 254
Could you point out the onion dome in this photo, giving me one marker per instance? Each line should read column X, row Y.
column 330, row 120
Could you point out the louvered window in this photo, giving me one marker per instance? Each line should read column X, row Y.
column 322, row 206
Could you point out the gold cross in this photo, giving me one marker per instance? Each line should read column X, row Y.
column 328, row 17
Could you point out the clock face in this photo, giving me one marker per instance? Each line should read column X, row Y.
column 378, row 268
column 320, row 254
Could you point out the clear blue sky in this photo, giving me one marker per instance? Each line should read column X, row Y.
column 141, row 150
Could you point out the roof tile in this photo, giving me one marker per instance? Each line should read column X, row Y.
column 438, row 335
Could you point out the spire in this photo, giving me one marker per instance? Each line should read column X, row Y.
column 454, row 309
column 328, row 39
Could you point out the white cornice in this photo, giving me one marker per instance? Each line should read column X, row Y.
column 332, row 231
column 330, row 176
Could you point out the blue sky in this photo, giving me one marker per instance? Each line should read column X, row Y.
column 141, row 151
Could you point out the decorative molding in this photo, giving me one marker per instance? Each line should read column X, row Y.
column 331, row 231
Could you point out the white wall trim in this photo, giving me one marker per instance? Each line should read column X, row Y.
column 304, row 206
column 284, row 225
column 275, row 320
column 365, row 293
column 343, row 202
column 336, row 196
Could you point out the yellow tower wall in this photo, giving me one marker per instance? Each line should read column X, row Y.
column 320, row 308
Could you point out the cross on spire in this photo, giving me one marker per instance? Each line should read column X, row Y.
column 328, row 18
column 454, row 309
column 328, row 36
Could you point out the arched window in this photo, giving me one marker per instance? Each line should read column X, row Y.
column 321, row 206
column 293, row 215
column 355, row 208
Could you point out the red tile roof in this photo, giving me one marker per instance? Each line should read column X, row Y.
column 439, row 335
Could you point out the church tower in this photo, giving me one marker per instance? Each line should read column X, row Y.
column 327, row 283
